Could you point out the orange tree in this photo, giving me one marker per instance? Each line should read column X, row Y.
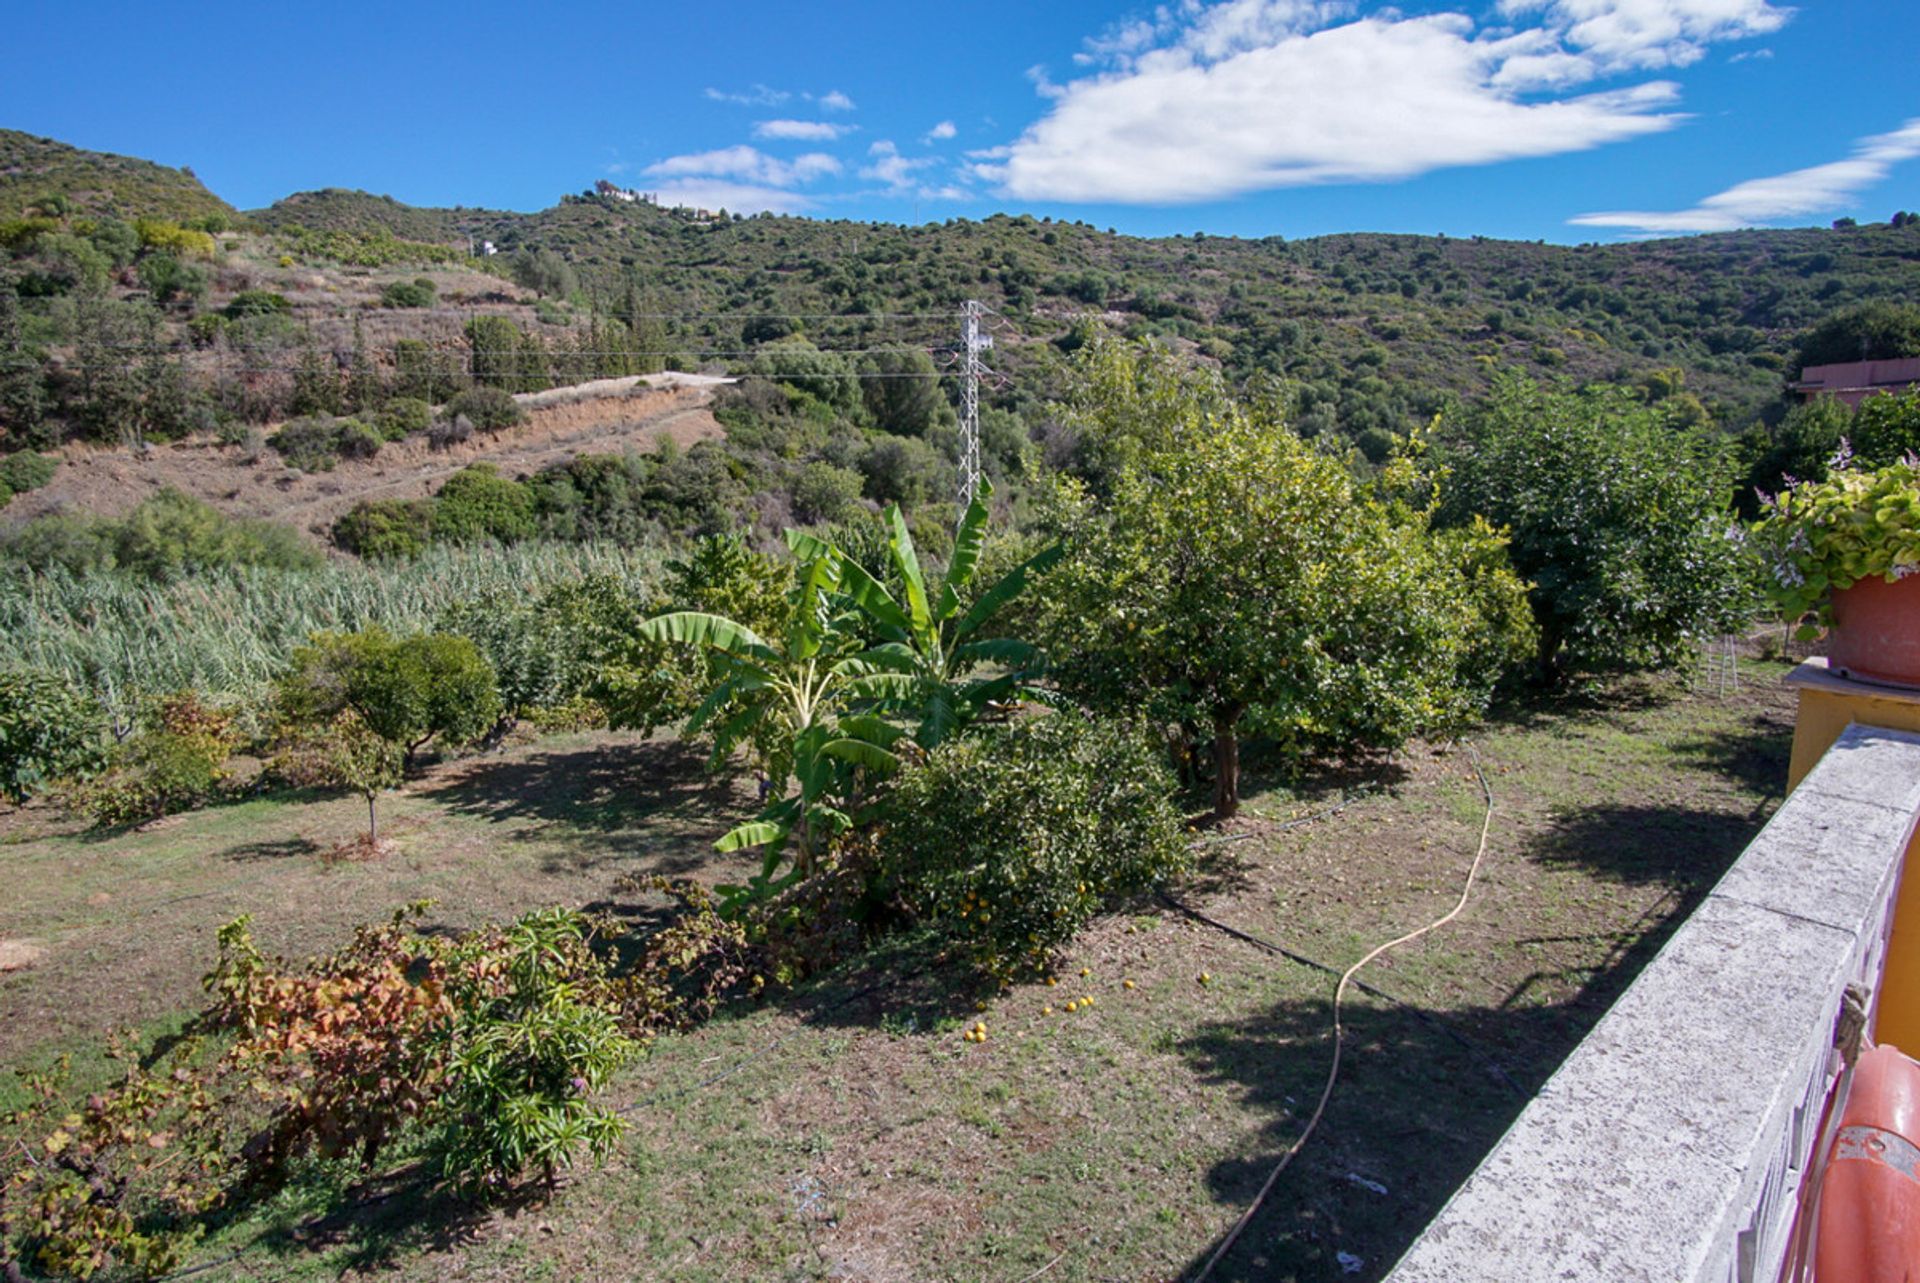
column 1222, row 572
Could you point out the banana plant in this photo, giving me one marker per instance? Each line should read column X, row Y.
column 922, row 668
column 791, row 698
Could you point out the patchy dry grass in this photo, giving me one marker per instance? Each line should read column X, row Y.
column 848, row 1131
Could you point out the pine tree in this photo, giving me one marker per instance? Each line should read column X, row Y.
column 316, row 388
column 364, row 392
column 23, row 399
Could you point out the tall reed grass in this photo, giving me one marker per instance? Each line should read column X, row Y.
column 232, row 631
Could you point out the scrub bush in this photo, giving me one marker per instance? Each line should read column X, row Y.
column 1011, row 840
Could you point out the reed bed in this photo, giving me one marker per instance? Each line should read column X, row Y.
column 231, row 631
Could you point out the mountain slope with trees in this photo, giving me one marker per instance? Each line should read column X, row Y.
column 41, row 174
column 1376, row 328
column 146, row 322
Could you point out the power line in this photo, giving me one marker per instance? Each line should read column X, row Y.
column 972, row 343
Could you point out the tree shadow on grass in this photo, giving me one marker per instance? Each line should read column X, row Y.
column 609, row 801
column 282, row 849
column 1686, row 848
column 394, row 1215
column 1417, row 1106
column 1608, row 700
column 1757, row 757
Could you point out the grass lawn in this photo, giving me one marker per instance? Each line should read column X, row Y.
column 848, row 1132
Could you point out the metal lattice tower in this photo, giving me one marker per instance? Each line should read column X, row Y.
column 972, row 343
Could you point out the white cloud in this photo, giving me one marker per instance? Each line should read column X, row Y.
column 763, row 96
column 748, row 165
column 901, row 173
column 1627, row 34
column 818, row 131
column 1243, row 100
column 890, row 167
column 1239, row 26
column 1209, row 31
column 940, row 132
column 735, row 198
column 1815, row 190
column 758, row 96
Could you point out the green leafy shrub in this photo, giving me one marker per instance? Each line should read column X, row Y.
column 26, row 471
column 386, row 529
column 824, row 493
column 205, row 330
column 256, row 303
column 478, row 503
column 311, row 444
column 906, row 471
column 1628, row 573
column 488, row 409
column 318, row 442
column 355, row 440
column 159, row 233
column 534, row 1034
column 172, row 535
column 1886, row 429
column 1820, row 537
column 50, row 731
column 402, row 417
column 165, row 538
column 419, row 292
column 174, row 762
column 1011, row 840
column 406, row 690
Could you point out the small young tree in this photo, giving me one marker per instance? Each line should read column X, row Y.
column 363, row 762
column 408, row 691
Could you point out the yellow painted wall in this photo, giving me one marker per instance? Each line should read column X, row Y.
column 1823, row 714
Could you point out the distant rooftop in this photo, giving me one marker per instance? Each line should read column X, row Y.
column 1855, row 381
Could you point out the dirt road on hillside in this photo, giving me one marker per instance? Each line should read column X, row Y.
column 608, row 417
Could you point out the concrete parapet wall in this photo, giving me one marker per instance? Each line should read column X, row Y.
column 1670, row 1145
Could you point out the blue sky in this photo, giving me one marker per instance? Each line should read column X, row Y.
column 1566, row 120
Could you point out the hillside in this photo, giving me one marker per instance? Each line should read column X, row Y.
column 244, row 482
column 338, row 209
column 1379, row 328
column 33, row 169
column 332, row 303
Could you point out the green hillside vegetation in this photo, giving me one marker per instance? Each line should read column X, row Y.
column 52, row 177
column 336, row 304
column 1376, row 329
column 340, row 209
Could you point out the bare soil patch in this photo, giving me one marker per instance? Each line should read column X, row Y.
column 244, row 482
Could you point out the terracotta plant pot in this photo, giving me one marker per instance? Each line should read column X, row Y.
column 1876, row 631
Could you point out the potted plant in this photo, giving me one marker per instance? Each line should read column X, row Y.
column 1846, row 551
